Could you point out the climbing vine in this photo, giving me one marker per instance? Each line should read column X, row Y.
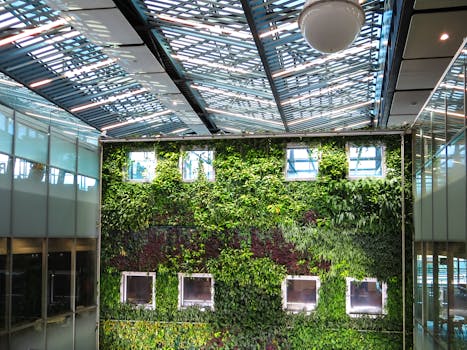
column 250, row 228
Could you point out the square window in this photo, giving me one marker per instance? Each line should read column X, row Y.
column 138, row 288
column 302, row 163
column 366, row 161
column 141, row 166
column 300, row 293
column 365, row 297
column 195, row 289
column 193, row 160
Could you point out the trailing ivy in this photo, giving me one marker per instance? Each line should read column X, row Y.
column 250, row 228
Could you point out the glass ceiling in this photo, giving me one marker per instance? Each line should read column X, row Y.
column 245, row 61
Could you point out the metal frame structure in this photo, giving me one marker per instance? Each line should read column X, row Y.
column 241, row 66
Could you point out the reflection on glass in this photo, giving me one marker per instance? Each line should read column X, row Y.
column 26, row 280
column 365, row 297
column 419, row 281
column 137, row 288
column 6, row 129
column 33, row 171
column 440, row 270
column 31, row 143
column 62, row 152
column 141, row 166
column 301, row 293
column 197, row 290
column 88, row 161
column 5, row 191
column 302, row 163
column 366, row 161
column 59, row 276
column 87, row 206
column 3, row 274
column 85, row 272
column 193, row 160
column 85, row 323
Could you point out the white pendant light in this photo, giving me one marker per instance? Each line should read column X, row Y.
column 331, row 25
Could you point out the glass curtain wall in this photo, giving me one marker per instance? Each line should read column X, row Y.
column 440, row 212
column 49, row 211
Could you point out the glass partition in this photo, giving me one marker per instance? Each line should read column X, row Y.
column 440, row 208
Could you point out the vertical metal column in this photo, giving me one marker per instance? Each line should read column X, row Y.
column 404, row 330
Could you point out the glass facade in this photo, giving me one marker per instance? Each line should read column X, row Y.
column 49, row 210
column 440, row 204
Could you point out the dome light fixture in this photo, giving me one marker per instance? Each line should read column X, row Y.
column 331, row 25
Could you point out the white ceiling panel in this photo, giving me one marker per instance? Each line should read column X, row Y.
column 437, row 4
column 423, row 40
column 106, row 27
column 408, row 102
column 397, row 121
column 70, row 5
column 158, row 83
column 175, row 102
column 421, row 73
column 136, row 59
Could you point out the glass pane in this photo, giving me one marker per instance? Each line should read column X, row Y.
column 193, row 160
column 141, row 166
column 60, row 333
column 427, row 203
column 366, row 161
column 457, row 190
column 62, row 205
column 430, row 298
column 29, row 338
column 26, row 282
column 85, row 273
column 6, row 129
column 3, row 274
column 302, row 163
column 86, row 326
column 196, row 290
column 88, row 206
column 62, row 152
column 30, row 143
column 59, row 276
column 301, row 294
column 30, row 199
column 439, row 197
column 440, row 274
column 5, row 188
column 88, row 162
column 458, row 294
column 366, row 297
column 139, row 289
column 418, row 300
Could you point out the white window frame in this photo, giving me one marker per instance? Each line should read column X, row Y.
column 306, row 307
column 185, row 152
column 348, row 305
column 383, row 161
column 296, row 147
column 123, row 287
column 152, row 174
column 202, row 304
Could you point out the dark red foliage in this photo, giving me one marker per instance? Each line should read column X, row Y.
column 145, row 251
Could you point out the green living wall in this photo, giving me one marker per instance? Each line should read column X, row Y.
column 250, row 228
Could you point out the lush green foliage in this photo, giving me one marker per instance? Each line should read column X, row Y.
column 250, row 228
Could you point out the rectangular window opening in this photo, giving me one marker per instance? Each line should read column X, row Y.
column 300, row 293
column 141, row 166
column 196, row 289
column 365, row 297
column 302, row 163
column 138, row 289
column 366, row 161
